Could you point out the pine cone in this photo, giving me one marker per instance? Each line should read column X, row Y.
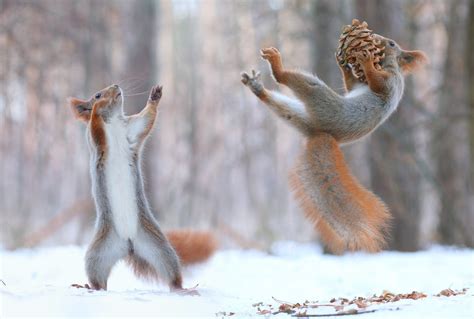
column 355, row 38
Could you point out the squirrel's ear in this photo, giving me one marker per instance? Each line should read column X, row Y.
column 80, row 108
column 410, row 61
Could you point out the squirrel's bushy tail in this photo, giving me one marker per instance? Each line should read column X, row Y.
column 192, row 246
column 347, row 216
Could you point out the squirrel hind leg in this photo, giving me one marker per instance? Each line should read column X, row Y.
column 154, row 257
column 103, row 253
column 147, row 271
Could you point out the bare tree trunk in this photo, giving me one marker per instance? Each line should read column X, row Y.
column 451, row 153
column 95, row 53
column 323, row 38
column 186, row 65
column 470, row 89
column 394, row 175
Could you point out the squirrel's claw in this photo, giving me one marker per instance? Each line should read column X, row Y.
column 269, row 53
column 252, row 81
column 246, row 78
column 363, row 56
column 156, row 93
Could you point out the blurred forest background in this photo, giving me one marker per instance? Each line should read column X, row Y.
column 218, row 158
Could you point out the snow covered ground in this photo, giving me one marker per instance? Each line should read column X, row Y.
column 37, row 283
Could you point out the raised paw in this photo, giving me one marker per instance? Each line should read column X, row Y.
column 363, row 57
column 270, row 54
column 156, row 92
column 253, row 81
column 247, row 79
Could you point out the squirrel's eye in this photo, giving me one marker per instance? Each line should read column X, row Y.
column 391, row 43
column 97, row 96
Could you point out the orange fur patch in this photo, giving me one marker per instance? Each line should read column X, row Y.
column 78, row 107
column 351, row 217
column 376, row 79
column 411, row 61
column 192, row 246
column 97, row 131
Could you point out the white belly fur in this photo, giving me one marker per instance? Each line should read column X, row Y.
column 120, row 182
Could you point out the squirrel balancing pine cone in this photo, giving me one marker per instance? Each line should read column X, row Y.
column 355, row 38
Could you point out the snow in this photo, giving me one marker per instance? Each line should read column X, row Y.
column 37, row 283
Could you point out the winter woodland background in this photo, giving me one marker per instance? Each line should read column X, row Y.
column 218, row 158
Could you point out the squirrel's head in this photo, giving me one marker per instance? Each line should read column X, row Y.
column 107, row 101
column 407, row 61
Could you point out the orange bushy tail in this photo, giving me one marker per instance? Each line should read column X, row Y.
column 347, row 216
column 192, row 246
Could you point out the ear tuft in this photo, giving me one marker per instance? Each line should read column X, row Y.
column 80, row 108
column 411, row 61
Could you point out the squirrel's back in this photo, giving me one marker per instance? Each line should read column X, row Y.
column 348, row 216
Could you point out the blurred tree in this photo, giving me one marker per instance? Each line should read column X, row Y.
column 450, row 144
column 95, row 45
column 470, row 89
column 326, row 26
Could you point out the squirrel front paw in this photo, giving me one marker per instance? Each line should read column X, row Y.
column 363, row 57
column 342, row 64
column 156, row 93
column 271, row 54
column 253, row 82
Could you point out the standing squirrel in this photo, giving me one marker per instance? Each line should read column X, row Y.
column 347, row 216
column 125, row 226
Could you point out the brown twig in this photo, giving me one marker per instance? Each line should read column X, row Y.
column 342, row 313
